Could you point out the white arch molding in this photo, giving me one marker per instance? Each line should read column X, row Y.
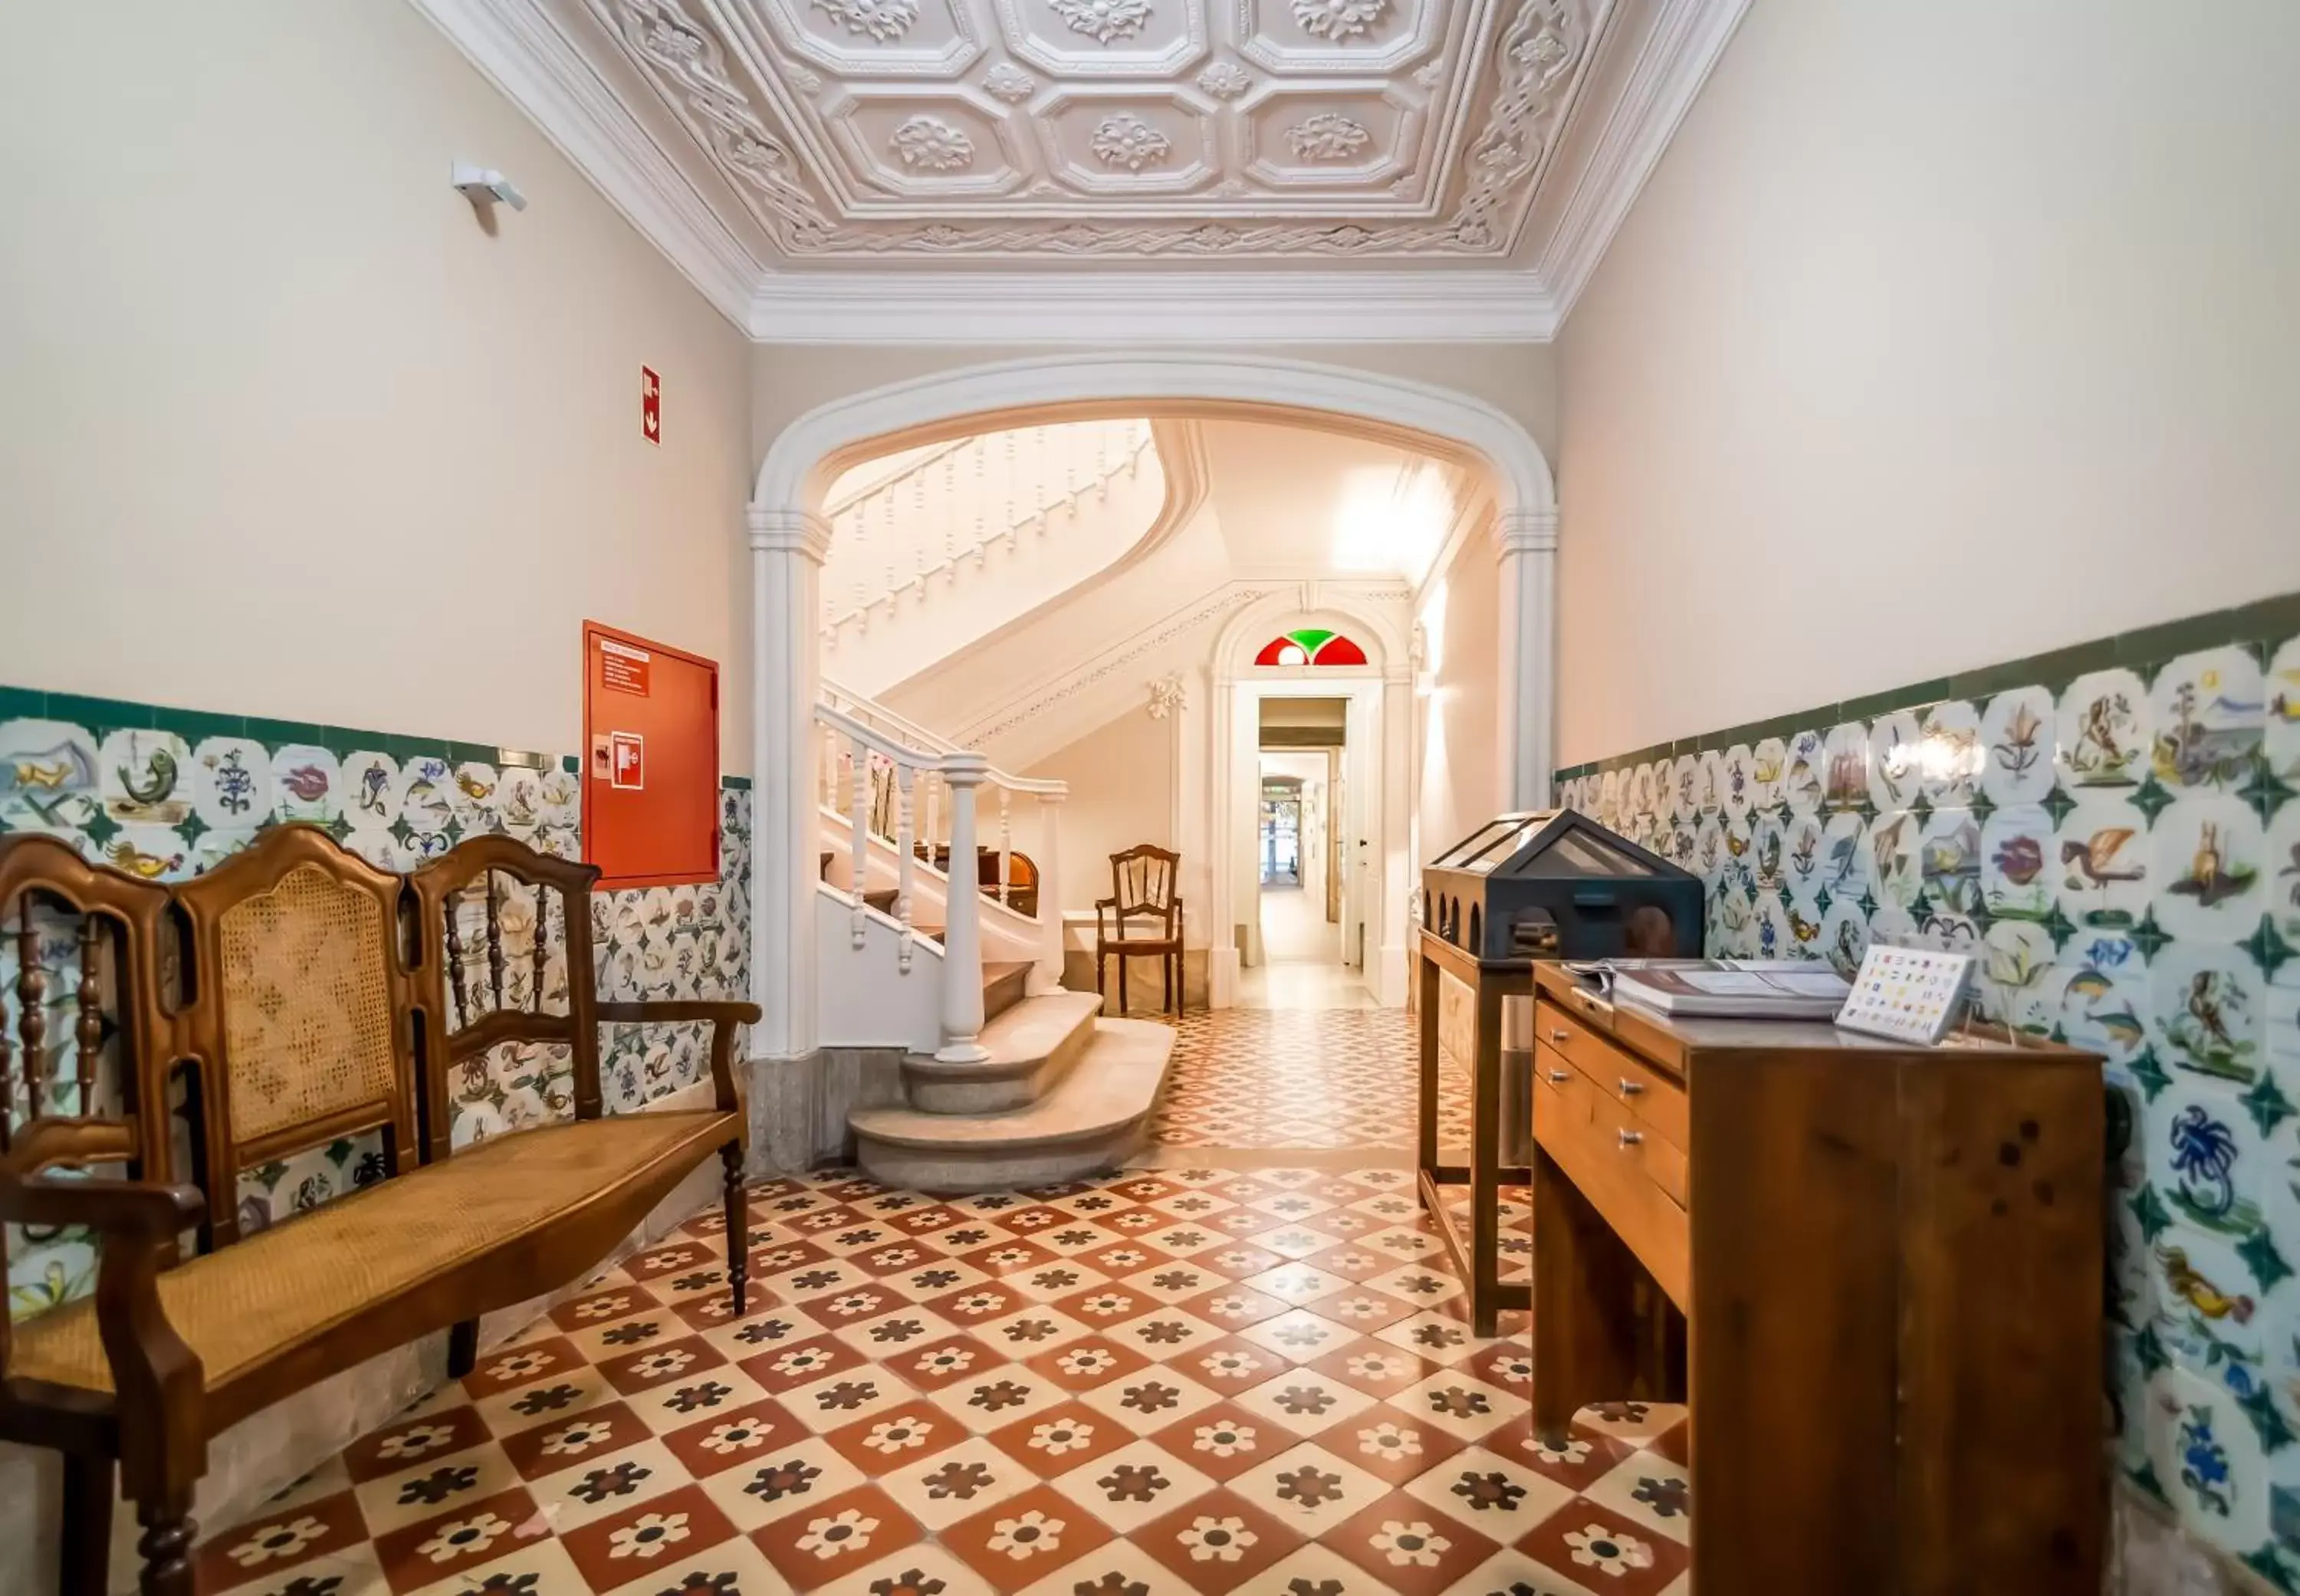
column 789, row 536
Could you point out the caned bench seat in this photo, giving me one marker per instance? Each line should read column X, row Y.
column 468, row 1232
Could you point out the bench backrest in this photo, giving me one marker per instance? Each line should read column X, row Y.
column 302, row 1016
column 502, row 955
column 85, row 1036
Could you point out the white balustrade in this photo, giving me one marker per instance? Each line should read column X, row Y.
column 885, row 760
column 890, row 539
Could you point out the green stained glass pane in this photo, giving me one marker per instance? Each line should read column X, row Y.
column 1312, row 638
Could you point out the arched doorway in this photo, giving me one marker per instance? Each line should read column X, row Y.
column 788, row 537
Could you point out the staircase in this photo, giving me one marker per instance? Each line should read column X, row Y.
column 1063, row 1095
column 1008, row 1081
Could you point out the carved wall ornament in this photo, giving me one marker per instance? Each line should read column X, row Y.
column 1009, row 83
column 1168, row 695
column 1104, row 20
column 1124, row 139
column 1329, row 136
column 928, row 143
column 1338, row 20
column 1225, row 80
column 881, row 19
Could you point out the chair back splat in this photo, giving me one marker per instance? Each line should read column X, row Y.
column 1142, row 888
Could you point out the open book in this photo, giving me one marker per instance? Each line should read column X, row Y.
column 1740, row 988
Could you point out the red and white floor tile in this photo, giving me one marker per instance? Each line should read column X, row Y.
column 1206, row 1381
column 1307, row 1078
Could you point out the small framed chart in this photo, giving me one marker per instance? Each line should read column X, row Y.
column 1908, row 994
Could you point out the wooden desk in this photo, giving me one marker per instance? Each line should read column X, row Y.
column 1887, row 1262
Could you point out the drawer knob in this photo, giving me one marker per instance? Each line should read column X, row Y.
column 1559, row 1035
column 1631, row 1088
column 1630, row 1138
column 1558, row 1077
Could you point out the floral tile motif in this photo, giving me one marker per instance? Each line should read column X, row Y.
column 1399, row 1460
column 1321, row 1078
column 166, row 806
column 2121, row 850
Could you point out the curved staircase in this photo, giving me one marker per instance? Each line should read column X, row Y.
column 1007, row 1080
column 1064, row 1093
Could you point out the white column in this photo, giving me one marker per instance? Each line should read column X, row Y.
column 1527, row 542
column 787, row 551
column 962, row 936
column 1397, row 866
column 1050, row 889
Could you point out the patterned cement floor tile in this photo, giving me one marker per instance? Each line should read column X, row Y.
column 1101, row 1390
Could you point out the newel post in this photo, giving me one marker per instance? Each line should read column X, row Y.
column 1050, row 888
column 961, row 937
column 1527, row 556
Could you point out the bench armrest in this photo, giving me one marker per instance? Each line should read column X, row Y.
column 139, row 1222
column 723, row 1018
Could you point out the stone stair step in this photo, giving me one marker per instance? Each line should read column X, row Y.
column 1002, row 985
column 1091, row 1122
column 1031, row 1046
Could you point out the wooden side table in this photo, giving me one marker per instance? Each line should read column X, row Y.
column 1476, row 1258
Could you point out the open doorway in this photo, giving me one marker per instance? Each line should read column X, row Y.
column 1301, row 787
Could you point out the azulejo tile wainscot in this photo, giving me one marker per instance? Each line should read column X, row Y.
column 165, row 795
column 2112, row 829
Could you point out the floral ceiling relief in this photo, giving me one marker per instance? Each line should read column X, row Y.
column 1014, row 129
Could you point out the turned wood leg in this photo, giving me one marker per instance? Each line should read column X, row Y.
column 1122, row 982
column 739, row 1226
column 86, row 1553
column 1101, row 975
column 462, row 1347
column 166, row 1544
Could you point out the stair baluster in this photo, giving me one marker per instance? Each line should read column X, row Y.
column 905, row 860
column 1005, row 850
column 858, row 880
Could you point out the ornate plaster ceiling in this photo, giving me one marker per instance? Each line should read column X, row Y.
column 1021, row 129
column 1336, row 134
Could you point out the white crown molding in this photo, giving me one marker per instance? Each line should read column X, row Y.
column 1117, row 307
column 1687, row 39
column 541, row 54
column 515, row 46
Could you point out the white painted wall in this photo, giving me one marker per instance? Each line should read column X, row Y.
column 1944, row 334
column 1460, row 776
column 1122, row 777
column 285, row 432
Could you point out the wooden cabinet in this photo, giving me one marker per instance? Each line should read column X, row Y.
column 1882, row 1274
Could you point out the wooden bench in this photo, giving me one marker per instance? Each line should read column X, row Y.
column 300, row 996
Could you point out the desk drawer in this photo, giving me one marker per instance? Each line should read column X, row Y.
column 1629, row 1183
column 1655, row 1097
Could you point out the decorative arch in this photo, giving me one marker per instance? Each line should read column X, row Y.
column 1336, row 610
column 789, row 536
column 804, row 457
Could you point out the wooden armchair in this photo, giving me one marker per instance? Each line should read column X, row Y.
column 1142, row 884
column 299, row 1016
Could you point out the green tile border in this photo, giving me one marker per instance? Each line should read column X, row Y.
column 2263, row 626
column 101, row 715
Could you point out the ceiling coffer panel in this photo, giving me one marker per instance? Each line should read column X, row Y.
column 1038, row 129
